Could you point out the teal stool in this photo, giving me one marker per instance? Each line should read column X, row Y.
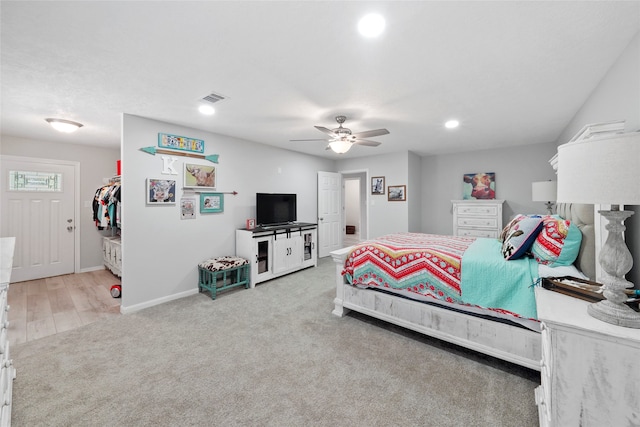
column 222, row 273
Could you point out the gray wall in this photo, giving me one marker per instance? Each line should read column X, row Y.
column 160, row 251
column 96, row 164
column 515, row 169
column 384, row 217
column 617, row 97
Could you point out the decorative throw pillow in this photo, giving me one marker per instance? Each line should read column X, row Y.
column 558, row 243
column 513, row 222
column 520, row 237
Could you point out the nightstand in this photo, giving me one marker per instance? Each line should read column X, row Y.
column 589, row 374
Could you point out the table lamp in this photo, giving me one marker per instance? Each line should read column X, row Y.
column 606, row 170
column 544, row 191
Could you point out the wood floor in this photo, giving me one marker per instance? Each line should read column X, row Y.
column 43, row 307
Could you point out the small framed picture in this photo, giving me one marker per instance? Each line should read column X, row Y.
column 251, row 223
column 211, row 202
column 397, row 193
column 161, row 191
column 188, row 208
column 377, row 185
column 199, row 176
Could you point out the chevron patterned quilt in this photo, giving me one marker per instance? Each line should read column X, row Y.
column 428, row 267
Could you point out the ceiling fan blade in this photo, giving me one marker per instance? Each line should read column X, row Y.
column 325, row 130
column 298, row 140
column 370, row 133
column 367, row 142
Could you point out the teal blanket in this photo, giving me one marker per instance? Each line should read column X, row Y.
column 488, row 280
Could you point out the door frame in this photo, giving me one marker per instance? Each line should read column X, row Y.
column 364, row 197
column 76, row 198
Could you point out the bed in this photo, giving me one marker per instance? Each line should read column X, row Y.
column 443, row 311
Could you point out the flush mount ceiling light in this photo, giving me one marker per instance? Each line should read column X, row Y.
column 207, row 110
column 66, row 126
column 452, row 124
column 372, row 25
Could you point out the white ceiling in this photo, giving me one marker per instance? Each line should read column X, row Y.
column 512, row 72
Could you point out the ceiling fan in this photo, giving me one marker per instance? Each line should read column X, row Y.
column 342, row 139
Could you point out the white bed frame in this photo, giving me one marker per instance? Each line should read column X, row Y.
column 508, row 342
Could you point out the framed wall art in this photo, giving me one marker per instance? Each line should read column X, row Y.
column 397, row 193
column 211, row 202
column 199, row 176
column 377, row 185
column 481, row 185
column 181, row 143
column 161, row 191
column 188, row 208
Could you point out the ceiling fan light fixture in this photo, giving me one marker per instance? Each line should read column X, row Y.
column 371, row 25
column 66, row 126
column 340, row 146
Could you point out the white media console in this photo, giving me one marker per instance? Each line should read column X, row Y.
column 277, row 250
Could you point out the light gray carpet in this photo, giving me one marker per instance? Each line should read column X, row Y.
column 271, row 356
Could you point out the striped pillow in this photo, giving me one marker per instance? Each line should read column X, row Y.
column 558, row 243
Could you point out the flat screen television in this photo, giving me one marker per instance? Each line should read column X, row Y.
column 275, row 209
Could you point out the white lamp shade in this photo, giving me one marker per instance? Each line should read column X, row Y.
column 340, row 146
column 544, row 191
column 602, row 170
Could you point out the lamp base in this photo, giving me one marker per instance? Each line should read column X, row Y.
column 616, row 261
column 616, row 314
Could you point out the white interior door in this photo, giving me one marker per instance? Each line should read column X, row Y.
column 330, row 228
column 38, row 209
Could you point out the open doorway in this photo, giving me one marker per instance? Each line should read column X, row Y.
column 355, row 207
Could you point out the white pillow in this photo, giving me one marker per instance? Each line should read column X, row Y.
column 560, row 271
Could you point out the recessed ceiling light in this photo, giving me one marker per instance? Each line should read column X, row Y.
column 371, row 25
column 452, row 124
column 66, row 126
column 207, row 110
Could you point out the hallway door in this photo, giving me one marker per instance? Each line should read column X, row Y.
column 330, row 228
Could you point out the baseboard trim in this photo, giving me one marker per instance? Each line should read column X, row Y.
column 89, row 269
column 147, row 304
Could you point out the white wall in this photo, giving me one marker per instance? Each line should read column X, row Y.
column 95, row 165
column 414, row 189
column 161, row 251
column 384, row 217
column 617, row 97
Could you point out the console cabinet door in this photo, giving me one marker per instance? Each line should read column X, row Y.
column 287, row 253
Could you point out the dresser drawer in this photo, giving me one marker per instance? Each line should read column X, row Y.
column 474, row 210
column 475, row 232
column 478, row 222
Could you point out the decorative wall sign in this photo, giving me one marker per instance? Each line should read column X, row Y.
column 188, row 208
column 397, row 193
column 211, row 202
column 161, row 191
column 213, row 158
column 167, row 165
column 480, row 185
column 377, row 185
column 182, row 143
column 199, row 176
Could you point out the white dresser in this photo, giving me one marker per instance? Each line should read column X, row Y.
column 477, row 218
column 589, row 374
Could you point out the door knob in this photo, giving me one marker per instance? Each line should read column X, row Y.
column 69, row 220
column 69, row 228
